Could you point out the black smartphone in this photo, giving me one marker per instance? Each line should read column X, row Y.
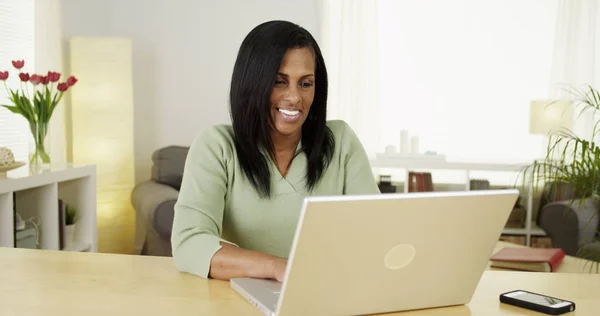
column 537, row 302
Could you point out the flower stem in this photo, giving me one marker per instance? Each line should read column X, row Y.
column 60, row 95
column 28, row 96
column 21, row 82
column 6, row 88
column 39, row 131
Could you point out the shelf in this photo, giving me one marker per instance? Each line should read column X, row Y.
column 417, row 163
column 34, row 193
column 79, row 247
column 25, row 178
column 467, row 168
column 6, row 220
column 535, row 231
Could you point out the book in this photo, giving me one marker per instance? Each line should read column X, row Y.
column 61, row 224
column 479, row 184
column 420, row 182
column 528, row 259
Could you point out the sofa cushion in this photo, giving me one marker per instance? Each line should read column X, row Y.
column 163, row 219
column 168, row 164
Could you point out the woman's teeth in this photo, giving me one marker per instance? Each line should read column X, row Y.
column 288, row 112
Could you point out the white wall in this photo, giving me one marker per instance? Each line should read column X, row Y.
column 183, row 55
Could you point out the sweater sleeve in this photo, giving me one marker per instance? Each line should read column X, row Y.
column 358, row 177
column 197, row 222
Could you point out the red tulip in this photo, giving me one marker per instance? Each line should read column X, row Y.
column 35, row 79
column 18, row 63
column 24, row 76
column 53, row 76
column 62, row 87
column 71, row 81
column 3, row 75
column 44, row 80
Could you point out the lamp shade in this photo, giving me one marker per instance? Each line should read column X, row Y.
column 102, row 131
column 546, row 116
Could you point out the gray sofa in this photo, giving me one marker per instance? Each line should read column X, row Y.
column 573, row 226
column 153, row 201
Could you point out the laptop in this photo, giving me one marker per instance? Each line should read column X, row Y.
column 356, row 255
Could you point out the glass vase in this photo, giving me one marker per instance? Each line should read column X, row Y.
column 39, row 155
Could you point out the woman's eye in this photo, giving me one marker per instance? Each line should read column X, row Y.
column 279, row 82
column 307, row 84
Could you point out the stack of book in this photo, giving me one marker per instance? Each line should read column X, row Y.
column 385, row 184
column 479, row 184
column 420, row 182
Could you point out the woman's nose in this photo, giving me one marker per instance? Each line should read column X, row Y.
column 293, row 95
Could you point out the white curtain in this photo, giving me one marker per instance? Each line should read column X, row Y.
column 349, row 42
column 576, row 59
column 16, row 43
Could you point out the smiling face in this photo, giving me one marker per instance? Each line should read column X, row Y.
column 293, row 92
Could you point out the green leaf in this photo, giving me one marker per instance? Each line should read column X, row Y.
column 14, row 96
column 21, row 105
column 26, row 107
column 38, row 104
column 48, row 105
column 13, row 109
column 55, row 101
column 32, row 128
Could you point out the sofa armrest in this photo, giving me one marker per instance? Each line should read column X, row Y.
column 154, row 202
column 569, row 223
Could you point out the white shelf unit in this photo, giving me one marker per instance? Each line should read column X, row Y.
column 429, row 163
column 34, row 193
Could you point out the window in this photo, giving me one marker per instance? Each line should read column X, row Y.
column 460, row 74
column 16, row 42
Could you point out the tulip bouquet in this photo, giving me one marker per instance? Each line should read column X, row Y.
column 35, row 101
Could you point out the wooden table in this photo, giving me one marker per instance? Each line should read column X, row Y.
column 46, row 282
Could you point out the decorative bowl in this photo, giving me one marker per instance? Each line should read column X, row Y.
column 14, row 165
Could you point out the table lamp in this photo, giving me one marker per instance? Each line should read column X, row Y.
column 549, row 116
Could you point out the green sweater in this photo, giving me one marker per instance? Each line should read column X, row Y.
column 217, row 203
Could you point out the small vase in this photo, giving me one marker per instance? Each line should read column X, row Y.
column 39, row 154
column 69, row 235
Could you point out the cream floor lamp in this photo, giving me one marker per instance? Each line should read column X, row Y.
column 549, row 116
column 101, row 131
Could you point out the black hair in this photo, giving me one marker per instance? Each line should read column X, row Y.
column 254, row 74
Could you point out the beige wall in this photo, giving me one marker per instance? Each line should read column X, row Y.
column 183, row 54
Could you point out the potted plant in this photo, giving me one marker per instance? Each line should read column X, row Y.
column 36, row 100
column 71, row 218
column 573, row 160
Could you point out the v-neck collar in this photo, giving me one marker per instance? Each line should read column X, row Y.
column 293, row 182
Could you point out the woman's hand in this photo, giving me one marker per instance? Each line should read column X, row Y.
column 279, row 265
column 233, row 262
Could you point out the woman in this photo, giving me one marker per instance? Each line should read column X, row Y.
column 244, row 183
